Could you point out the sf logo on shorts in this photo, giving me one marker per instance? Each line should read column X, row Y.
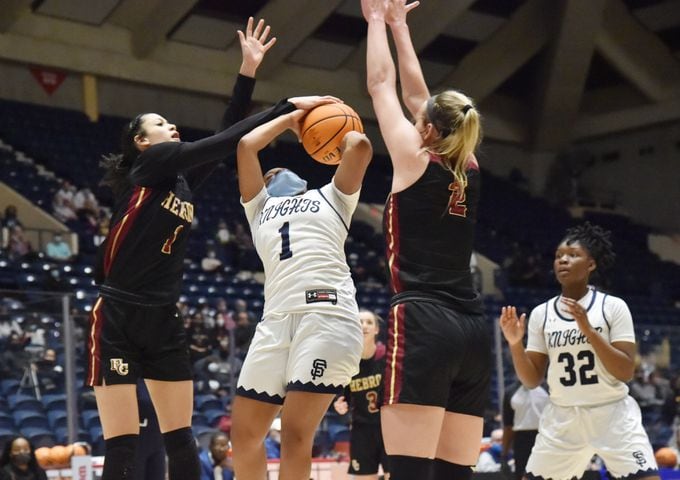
column 119, row 367
column 639, row 458
column 318, row 367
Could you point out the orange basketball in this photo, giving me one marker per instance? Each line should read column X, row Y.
column 323, row 129
column 60, row 455
column 666, row 457
column 79, row 449
column 42, row 455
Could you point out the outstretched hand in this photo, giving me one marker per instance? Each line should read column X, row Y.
column 513, row 326
column 254, row 45
column 309, row 102
column 374, row 9
column 340, row 405
column 397, row 10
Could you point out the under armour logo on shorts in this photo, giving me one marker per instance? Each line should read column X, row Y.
column 318, row 367
column 119, row 367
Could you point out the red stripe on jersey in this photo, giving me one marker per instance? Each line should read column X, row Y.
column 121, row 229
column 394, row 368
column 392, row 239
column 93, row 347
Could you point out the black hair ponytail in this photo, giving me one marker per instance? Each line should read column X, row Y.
column 117, row 165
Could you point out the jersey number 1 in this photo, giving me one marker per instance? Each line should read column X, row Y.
column 286, row 252
column 167, row 246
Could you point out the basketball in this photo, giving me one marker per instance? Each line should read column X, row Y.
column 60, row 455
column 79, row 449
column 42, row 455
column 323, row 129
column 666, row 457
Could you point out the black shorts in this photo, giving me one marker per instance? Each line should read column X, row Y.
column 127, row 342
column 438, row 356
column 366, row 450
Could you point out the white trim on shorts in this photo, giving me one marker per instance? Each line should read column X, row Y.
column 569, row 437
column 310, row 351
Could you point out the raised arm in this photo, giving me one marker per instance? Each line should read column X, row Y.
column 250, row 181
column 414, row 90
column 356, row 152
column 401, row 137
column 530, row 366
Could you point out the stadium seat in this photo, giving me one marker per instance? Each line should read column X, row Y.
column 39, row 437
column 207, row 402
column 25, row 402
column 54, row 401
column 30, row 419
column 57, row 418
column 90, row 419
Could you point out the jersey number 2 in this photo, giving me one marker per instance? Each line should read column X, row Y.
column 286, row 252
column 584, row 369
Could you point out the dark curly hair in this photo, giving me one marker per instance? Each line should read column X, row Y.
column 595, row 240
column 117, row 165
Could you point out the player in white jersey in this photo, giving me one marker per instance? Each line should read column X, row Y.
column 585, row 340
column 308, row 345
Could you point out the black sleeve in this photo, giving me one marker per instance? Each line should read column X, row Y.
column 236, row 110
column 508, row 413
column 165, row 160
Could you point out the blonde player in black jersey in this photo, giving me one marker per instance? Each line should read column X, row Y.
column 135, row 329
column 584, row 339
column 438, row 354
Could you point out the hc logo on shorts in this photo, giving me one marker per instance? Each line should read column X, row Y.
column 119, row 367
column 318, row 367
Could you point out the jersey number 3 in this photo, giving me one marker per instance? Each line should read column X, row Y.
column 586, row 359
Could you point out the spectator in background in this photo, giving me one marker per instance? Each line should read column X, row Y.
column 62, row 203
column 215, row 372
column 272, row 443
column 216, row 461
column 102, row 229
column 210, row 262
column 224, row 240
column 18, row 461
column 50, row 374
column 84, row 202
column 199, row 338
column 11, row 217
column 522, row 409
column 58, row 250
column 243, row 333
column 224, row 318
column 19, row 247
column 490, row 458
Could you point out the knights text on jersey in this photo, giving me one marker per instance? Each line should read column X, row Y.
column 576, row 376
column 300, row 241
column 429, row 230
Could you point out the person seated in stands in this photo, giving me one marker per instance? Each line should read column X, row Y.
column 50, row 374
column 243, row 334
column 58, row 249
column 211, row 263
column 18, row 461
column 272, row 443
column 19, row 247
column 11, row 217
column 214, row 373
column 216, row 461
column 14, row 357
column 84, row 202
column 224, row 240
column 200, row 339
column 62, row 203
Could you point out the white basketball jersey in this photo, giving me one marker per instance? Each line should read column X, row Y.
column 576, row 377
column 301, row 242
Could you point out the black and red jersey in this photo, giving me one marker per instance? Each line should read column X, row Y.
column 429, row 230
column 365, row 391
column 142, row 258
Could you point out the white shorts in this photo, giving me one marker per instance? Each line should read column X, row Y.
column 309, row 351
column 568, row 437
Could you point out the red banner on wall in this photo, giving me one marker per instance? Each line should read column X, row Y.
column 48, row 79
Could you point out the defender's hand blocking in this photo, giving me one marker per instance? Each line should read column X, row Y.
column 254, row 45
column 340, row 405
